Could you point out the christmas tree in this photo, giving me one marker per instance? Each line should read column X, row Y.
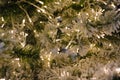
column 59, row 39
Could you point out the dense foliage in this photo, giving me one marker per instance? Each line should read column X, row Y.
column 59, row 39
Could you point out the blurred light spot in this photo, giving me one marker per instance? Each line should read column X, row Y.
column 12, row 31
column 19, row 64
column 94, row 78
column 2, row 79
column 2, row 19
column 87, row 14
column 102, row 35
column 92, row 45
column 22, row 44
column 57, row 2
column 105, row 70
column 2, row 25
column 110, row 44
column 42, row 58
column 38, row 10
column 113, row 5
column 98, row 36
column 41, row 2
column 58, row 24
column 45, row 6
column 17, row 59
column 50, row 17
column 43, row 10
column 117, row 70
column 23, row 21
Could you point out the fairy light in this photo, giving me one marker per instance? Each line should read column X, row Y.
column 2, row 19
column 23, row 21
column 50, row 17
column 58, row 24
column 77, row 30
column 117, row 70
column 41, row 2
column 63, row 74
column 98, row 36
column 43, row 10
column 57, row 3
column 22, row 44
column 38, row 10
column 87, row 14
column 45, row 6
column 22, row 33
column 102, row 35
column 42, row 58
column 2, row 25
column 110, row 45
column 41, row 21
column 2, row 79
column 113, row 5
column 92, row 45
column 17, row 59
column 12, row 31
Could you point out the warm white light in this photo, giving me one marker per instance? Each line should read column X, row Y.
column 41, row 22
column 58, row 24
column 17, row 59
column 2, row 19
column 12, row 31
column 43, row 10
column 106, row 70
column 45, row 6
column 22, row 33
column 23, row 44
column 50, row 17
column 2, row 79
column 87, row 14
column 77, row 30
column 30, row 20
column 98, row 36
column 92, row 45
column 117, row 70
column 57, row 3
column 38, row 10
column 113, row 5
column 23, row 21
column 2, row 25
column 110, row 44
column 42, row 58
column 41, row 2
column 102, row 35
